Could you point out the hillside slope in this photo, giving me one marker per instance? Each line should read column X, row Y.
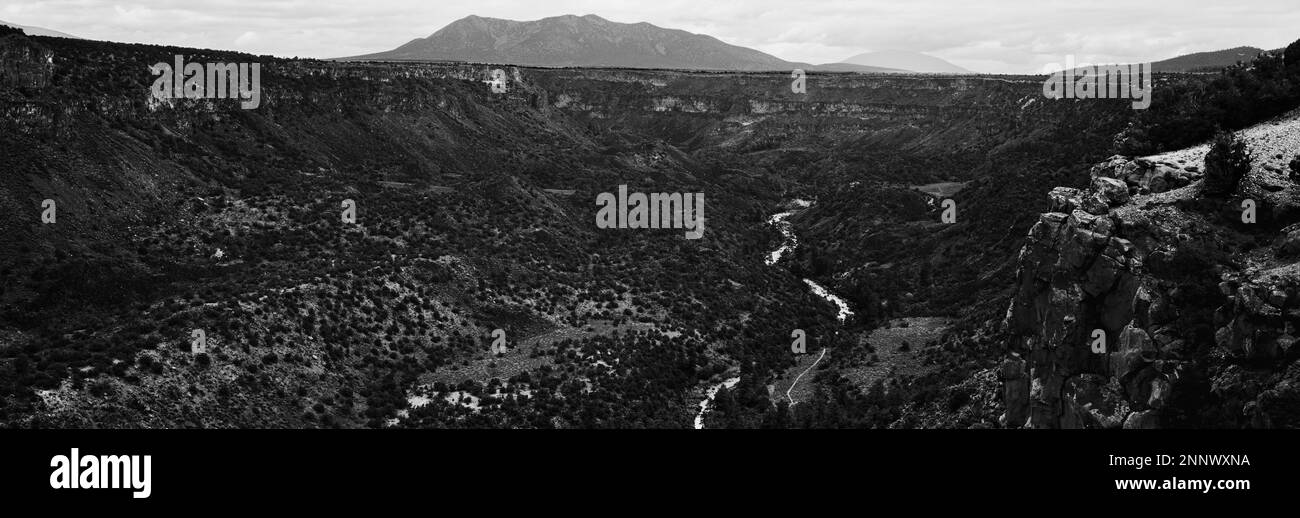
column 1207, row 61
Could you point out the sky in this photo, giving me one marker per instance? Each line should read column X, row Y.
column 1007, row 36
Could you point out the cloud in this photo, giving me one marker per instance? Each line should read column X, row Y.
column 1011, row 36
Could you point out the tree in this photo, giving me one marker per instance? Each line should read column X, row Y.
column 1291, row 57
column 1226, row 164
column 724, row 410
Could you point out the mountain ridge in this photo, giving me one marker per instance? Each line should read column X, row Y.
column 907, row 60
column 32, row 30
column 589, row 41
column 1208, row 60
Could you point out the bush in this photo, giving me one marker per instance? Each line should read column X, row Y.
column 1295, row 169
column 1226, row 164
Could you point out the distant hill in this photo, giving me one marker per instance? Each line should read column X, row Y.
column 1207, row 61
column 587, row 41
column 850, row 67
column 39, row 31
column 908, row 61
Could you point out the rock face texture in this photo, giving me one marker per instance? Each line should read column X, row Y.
column 1143, row 303
column 23, row 63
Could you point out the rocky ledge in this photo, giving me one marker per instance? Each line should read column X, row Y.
column 1143, row 302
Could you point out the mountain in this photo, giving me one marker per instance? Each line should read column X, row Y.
column 39, row 31
column 585, row 41
column 1205, row 61
column 906, row 60
column 850, row 67
column 577, row 41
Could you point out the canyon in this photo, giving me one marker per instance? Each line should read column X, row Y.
column 474, row 212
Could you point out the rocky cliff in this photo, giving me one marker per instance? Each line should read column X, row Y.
column 1145, row 302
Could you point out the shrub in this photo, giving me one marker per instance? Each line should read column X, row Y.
column 1295, row 169
column 1226, row 164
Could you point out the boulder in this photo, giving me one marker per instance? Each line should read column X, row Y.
column 1142, row 175
column 1093, row 203
column 1064, row 199
column 1112, row 191
column 1117, row 167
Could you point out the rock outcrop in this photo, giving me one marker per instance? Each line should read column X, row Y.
column 24, row 63
column 1146, row 176
column 1140, row 304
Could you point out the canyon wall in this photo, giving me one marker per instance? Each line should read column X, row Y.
column 1196, row 308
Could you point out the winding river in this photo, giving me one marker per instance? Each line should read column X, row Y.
column 788, row 244
column 709, row 395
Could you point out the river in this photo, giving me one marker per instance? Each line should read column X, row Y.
column 791, row 242
column 788, row 244
column 708, row 399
